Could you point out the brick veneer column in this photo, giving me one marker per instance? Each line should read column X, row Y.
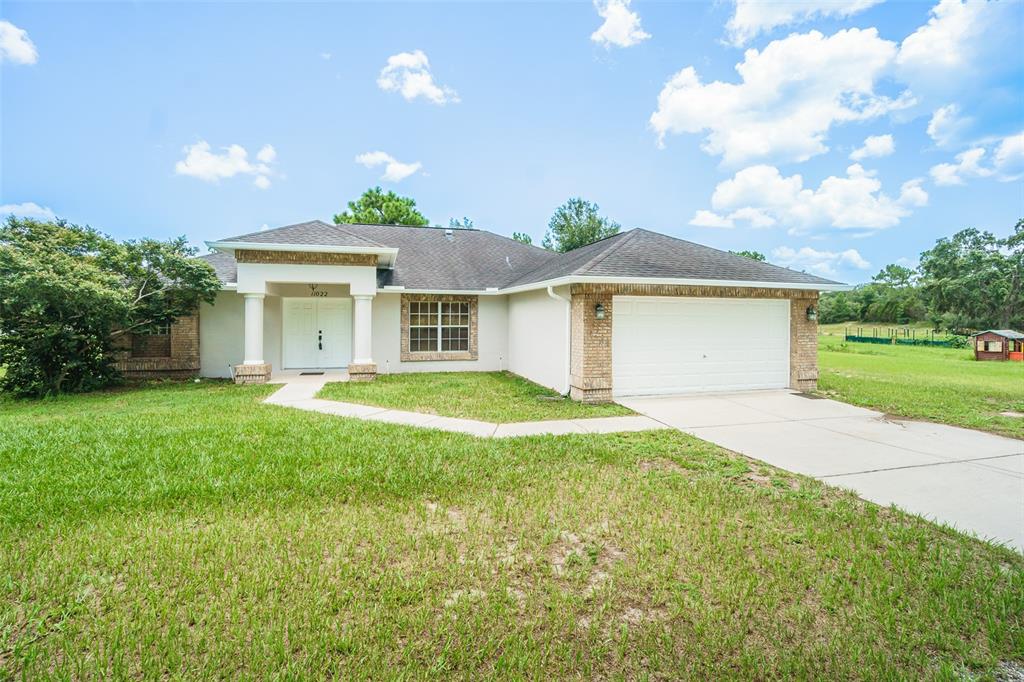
column 590, row 365
column 803, row 342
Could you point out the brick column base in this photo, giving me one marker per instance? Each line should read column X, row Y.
column 252, row 374
column 362, row 372
column 593, row 390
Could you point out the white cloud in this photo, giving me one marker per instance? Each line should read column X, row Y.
column 394, row 170
column 28, row 209
column 1009, row 159
column 946, row 124
column 202, row 163
column 266, row 154
column 968, row 165
column 789, row 96
column 946, row 42
column 621, row 27
column 15, row 45
column 875, row 146
column 761, row 197
column 710, row 219
column 912, row 194
column 753, row 17
column 823, row 263
column 1007, row 163
column 408, row 73
column 326, row 56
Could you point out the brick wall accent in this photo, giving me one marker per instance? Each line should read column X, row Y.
column 182, row 359
column 803, row 342
column 305, row 258
column 405, row 355
column 252, row 374
column 362, row 372
column 591, row 347
column 590, row 353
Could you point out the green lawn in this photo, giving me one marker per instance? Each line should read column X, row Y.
column 488, row 396
column 189, row 531
column 937, row 384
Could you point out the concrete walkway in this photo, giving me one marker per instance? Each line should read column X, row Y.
column 968, row 479
column 300, row 392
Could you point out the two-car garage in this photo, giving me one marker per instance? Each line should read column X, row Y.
column 666, row 345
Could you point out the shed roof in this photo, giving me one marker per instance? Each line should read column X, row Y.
column 1005, row 333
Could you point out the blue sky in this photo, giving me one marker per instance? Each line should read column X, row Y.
column 734, row 124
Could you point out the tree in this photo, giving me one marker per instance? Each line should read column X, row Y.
column 522, row 237
column 375, row 207
column 753, row 255
column 577, row 223
column 464, row 224
column 894, row 276
column 67, row 291
column 974, row 279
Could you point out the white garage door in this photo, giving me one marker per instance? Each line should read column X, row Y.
column 691, row 345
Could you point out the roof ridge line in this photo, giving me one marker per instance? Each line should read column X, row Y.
column 627, row 236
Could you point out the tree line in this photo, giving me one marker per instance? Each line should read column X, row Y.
column 970, row 281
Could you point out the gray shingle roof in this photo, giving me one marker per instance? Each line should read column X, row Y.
column 428, row 258
column 224, row 265
column 312, row 232
column 642, row 253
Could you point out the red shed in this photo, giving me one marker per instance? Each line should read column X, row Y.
column 999, row 344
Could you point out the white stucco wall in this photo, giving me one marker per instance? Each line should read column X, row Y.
column 221, row 335
column 537, row 338
column 492, row 339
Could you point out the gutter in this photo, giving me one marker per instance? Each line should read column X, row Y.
column 568, row 334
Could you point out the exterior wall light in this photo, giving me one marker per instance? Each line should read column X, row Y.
column 599, row 311
column 812, row 313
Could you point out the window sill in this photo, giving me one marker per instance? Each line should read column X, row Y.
column 430, row 356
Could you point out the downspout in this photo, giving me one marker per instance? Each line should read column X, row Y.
column 568, row 334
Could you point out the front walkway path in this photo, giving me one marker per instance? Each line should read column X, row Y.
column 300, row 392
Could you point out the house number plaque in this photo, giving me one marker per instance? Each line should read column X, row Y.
column 317, row 292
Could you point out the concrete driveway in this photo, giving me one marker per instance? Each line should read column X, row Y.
column 970, row 480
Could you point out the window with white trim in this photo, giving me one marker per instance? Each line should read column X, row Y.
column 438, row 326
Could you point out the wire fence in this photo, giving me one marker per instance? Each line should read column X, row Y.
column 902, row 336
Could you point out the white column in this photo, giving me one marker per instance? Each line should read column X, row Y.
column 362, row 330
column 253, row 329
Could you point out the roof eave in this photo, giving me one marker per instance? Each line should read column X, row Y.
column 387, row 254
column 582, row 279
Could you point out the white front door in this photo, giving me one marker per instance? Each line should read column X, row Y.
column 317, row 333
column 691, row 345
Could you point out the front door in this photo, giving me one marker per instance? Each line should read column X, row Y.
column 317, row 333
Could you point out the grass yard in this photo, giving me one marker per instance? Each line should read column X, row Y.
column 500, row 397
column 937, row 384
column 188, row 531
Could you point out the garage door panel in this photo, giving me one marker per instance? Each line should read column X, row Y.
column 689, row 345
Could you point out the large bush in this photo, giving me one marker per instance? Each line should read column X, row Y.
column 66, row 292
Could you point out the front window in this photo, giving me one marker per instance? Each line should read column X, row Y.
column 436, row 326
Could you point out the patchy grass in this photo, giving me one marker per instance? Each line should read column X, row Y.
column 937, row 384
column 191, row 532
column 500, row 397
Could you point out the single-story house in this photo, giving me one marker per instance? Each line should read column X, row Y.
column 999, row 344
column 639, row 313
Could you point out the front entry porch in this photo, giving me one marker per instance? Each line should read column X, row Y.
column 291, row 328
